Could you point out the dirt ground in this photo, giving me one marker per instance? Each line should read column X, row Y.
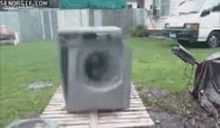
column 175, row 110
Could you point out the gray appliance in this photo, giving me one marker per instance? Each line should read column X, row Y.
column 96, row 67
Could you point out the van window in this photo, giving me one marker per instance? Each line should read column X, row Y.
column 216, row 8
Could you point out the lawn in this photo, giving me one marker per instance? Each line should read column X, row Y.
column 20, row 65
column 152, row 64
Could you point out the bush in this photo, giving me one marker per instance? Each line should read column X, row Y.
column 140, row 31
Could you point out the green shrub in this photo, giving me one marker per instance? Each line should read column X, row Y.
column 139, row 31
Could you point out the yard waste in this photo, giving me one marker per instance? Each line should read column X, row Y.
column 207, row 84
column 206, row 88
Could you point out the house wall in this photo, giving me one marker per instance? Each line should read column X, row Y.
column 158, row 24
column 148, row 3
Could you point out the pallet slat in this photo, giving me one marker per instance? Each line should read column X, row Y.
column 119, row 117
column 134, row 116
column 66, row 116
column 100, row 113
column 129, row 109
column 126, row 125
column 52, row 106
column 74, row 126
column 110, row 121
column 70, row 121
column 141, row 112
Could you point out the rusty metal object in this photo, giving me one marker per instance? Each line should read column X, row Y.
column 207, row 81
column 183, row 54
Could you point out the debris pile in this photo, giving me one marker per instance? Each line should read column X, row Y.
column 207, row 85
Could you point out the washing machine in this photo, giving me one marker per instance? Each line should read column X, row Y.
column 96, row 68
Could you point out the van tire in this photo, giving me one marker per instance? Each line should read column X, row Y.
column 213, row 39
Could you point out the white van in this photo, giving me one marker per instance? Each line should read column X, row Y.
column 195, row 21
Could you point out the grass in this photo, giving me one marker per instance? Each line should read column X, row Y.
column 20, row 65
column 152, row 64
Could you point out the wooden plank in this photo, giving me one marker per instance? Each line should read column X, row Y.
column 126, row 125
column 50, row 106
column 81, row 126
column 111, row 117
column 131, row 105
column 61, row 105
column 56, row 102
column 66, row 116
column 116, row 113
column 136, row 114
column 128, row 109
column 136, row 120
column 94, row 119
column 102, row 113
column 71, row 121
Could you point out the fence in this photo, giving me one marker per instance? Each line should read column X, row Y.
column 45, row 23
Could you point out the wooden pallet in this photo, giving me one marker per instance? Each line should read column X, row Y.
column 135, row 116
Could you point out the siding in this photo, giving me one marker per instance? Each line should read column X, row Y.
column 66, row 18
column 148, row 3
